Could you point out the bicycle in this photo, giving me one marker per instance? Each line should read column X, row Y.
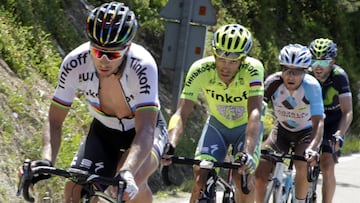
column 312, row 177
column 209, row 195
column 281, row 186
column 80, row 177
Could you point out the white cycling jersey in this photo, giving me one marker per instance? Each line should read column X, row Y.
column 139, row 82
column 294, row 111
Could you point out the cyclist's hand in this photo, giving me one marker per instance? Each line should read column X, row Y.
column 337, row 142
column 131, row 187
column 248, row 160
column 169, row 152
column 36, row 163
column 311, row 156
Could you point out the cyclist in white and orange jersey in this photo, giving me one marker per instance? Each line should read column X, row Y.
column 299, row 117
column 232, row 83
column 119, row 80
column 338, row 109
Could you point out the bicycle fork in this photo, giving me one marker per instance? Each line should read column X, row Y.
column 209, row 195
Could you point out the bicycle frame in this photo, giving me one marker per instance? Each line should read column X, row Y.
column 78, row 176
column 313, row 176
column 209, row 195
column 281, row 185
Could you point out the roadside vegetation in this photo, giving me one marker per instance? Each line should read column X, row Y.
column 35, row 35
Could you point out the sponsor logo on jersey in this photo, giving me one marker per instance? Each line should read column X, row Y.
column 141, row 73
column 199, row 71
column 251, row 69
column 226, row 97
column 294, row 115
column 70, row 65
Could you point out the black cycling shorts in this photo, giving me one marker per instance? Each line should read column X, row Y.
column 102, row 149
column 280, row 139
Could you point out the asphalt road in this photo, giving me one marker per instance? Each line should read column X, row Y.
column 347, row 189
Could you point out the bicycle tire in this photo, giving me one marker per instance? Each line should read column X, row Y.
column 311, row 197
column 272, row 192
column 290, row 196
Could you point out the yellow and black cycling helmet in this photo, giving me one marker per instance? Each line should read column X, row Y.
column 232, row 39
column 111, row 25
column 322, row 49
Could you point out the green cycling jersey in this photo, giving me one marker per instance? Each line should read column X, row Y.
column 227, row 103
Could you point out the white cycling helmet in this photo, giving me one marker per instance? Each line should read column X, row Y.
column 295, row 55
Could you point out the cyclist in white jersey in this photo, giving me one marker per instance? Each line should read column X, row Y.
column 232, row 83
column 338, row 109
column 299, row 117
column 119, row 80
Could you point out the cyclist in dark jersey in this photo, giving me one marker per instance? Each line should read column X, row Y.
column 232, row 83
column 338, row 109
column 119, row 80
column 299, row 117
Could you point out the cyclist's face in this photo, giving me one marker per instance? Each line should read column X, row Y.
column 227, row 68
column 322, row 68
column 107, row 60
column 292, row 77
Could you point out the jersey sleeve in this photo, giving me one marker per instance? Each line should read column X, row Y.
column 195, row 78
column 68, row 79
column 341, row 82
column 272, row 82
column 143, row 81
column 256, row 80
column 313, row 93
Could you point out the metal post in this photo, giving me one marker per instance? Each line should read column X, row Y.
column 181, row 55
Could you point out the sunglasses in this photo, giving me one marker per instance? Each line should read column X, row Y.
column 111, row 55
column 323, row 63
column 228, row 55
column 293, row 71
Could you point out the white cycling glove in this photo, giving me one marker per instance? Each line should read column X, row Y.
column 131, row 187
column 250, row 163
column 311, row 153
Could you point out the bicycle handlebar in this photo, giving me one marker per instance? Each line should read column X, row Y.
column 214, row 164
column 190, row 161
column 282, row 155
column 312, row 171
column 79, row 176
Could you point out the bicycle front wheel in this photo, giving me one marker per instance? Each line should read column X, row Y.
column 273, row 192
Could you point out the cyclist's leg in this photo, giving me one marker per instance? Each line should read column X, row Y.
column 99, row 153
column 239, row 147
column 275, row 141
column 327, row 166
column 150, row 165
column 211, row 146
column 301, row 183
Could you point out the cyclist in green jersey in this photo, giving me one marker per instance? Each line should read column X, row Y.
column 338, row 109
column 232, row 83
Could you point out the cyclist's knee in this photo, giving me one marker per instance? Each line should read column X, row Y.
column 263, row 171
column 201, row 175
column 72, row 192
column 327, row 162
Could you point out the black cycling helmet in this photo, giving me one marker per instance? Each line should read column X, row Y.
column 323, row 49
column 111, row 25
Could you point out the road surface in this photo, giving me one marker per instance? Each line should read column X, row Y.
column 347, row 189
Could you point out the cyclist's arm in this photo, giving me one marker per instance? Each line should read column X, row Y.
column 177, row 121
column 51, row 137
column 254, row 107
column 347, row 114
column 317, row 132
column 145, row 124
